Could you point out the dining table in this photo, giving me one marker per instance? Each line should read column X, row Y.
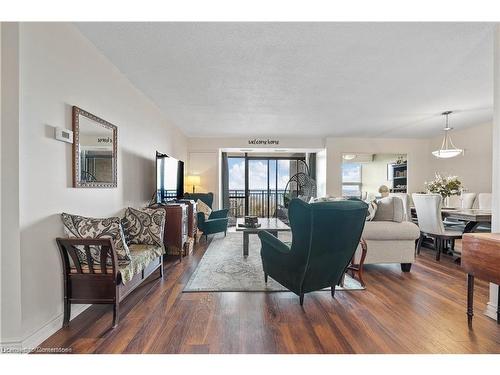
column 472, row 217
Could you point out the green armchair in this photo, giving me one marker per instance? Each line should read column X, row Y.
column 216, row 222
column 325, row 237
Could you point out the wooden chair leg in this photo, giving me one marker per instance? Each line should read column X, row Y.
column 116, row 314
column 341, row 282
column 333, row 291
column 265, row 278
column 67, row 312
column 161, row 267
column 438, row 248
column 301, row 299
column 419, row 243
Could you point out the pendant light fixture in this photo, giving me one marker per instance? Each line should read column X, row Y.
column 447, row 149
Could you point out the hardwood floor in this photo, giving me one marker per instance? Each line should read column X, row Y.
column 423, row 311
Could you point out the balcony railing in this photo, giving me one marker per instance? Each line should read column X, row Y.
column 258, row 202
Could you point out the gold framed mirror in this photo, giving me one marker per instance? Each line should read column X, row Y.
column 95, row 148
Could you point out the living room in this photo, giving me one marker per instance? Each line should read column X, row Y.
column 249, row 187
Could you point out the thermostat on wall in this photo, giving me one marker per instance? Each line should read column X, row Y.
column 64, row 135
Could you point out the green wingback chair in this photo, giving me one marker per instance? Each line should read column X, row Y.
column 217, row 221
column 325, row 236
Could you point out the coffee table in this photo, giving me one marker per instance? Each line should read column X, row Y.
column 271, row 225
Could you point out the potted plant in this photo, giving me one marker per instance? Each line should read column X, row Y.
column 444, row 186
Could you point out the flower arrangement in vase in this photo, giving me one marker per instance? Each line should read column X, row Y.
column 444, row 186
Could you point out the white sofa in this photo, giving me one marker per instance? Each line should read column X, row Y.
column 389, row 241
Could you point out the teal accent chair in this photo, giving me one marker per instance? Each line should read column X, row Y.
column 325, row 236
column 216, row 222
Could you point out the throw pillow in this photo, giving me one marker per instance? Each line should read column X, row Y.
column 144, row 226
column 372, row 209
column 203, row 207
column 86, row 227
column 389, row 209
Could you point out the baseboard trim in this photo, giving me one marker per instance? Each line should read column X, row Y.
column 43, row 333
column 491, row 311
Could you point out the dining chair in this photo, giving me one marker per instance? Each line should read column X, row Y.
column 464, row 201
column 430, row 222
column 468, row 200
column 484, row 201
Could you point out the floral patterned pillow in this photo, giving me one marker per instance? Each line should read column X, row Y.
column 144, row 226
column 85, row 227
column 203, row 207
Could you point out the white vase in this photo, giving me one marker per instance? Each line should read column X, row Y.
column 446, row 202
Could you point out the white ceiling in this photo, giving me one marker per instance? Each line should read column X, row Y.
column 307, row 79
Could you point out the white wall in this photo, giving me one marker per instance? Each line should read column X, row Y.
column 60, row 68
column 10, row 230
column 474, row 167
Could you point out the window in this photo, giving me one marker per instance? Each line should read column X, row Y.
column 351, row 180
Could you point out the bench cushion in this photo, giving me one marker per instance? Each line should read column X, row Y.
column 141, row 256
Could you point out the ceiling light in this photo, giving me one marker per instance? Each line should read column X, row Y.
column 447, row 149
column 348, row 156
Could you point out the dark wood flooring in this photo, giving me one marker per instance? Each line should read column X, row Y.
column 418, row 312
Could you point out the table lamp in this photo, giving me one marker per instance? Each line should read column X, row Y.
column 193, row 180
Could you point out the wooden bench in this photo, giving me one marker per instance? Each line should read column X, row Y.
column 89, row 282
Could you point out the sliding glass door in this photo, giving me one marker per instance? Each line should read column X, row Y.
column 257, row 184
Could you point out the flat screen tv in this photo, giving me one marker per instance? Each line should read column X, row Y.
column 169, row 178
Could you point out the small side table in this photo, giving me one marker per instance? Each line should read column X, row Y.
column 358, row 268
column 481, row 259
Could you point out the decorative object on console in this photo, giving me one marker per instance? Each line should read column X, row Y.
column 447, row 149
column 95, row 150
column 193, row 180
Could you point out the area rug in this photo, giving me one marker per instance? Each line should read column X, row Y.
column 224, row 269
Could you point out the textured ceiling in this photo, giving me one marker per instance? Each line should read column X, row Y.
column 307, row 79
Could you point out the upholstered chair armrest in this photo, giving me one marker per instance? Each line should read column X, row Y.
column 272, row 243
column 221, row 221
column 220, row 214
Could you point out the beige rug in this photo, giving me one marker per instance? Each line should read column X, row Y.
column 224, row 269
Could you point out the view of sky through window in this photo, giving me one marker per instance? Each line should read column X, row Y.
column 257, row 174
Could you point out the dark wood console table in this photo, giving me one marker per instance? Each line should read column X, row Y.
column 481, row 259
